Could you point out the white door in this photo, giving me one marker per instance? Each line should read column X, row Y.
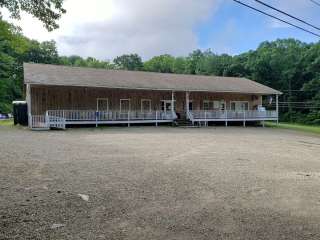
column 239, row 105
column 124, row 105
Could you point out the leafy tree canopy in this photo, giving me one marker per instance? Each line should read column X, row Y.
column 128, row 62
column 47, row 11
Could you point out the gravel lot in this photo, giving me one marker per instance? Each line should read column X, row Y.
column 159, row 183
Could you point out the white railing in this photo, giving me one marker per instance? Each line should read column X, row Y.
column 38, row 121
column 91, row 115
column 234, row 115
column 56, row 122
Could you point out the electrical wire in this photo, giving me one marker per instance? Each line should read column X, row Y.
column 287, row 14
column 315, row 2
column 279, row 19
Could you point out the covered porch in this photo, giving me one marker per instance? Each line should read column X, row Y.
column 92, row 106
column 226, row 107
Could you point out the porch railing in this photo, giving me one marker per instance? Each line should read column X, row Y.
column 39, row 122
column 232, row 115
column 91, row 115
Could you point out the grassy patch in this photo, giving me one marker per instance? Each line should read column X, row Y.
column 294, row 126
column 8, row 122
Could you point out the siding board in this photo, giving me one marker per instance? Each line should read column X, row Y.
column 84, row 98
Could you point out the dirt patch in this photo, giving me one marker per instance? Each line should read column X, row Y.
column 159, row 183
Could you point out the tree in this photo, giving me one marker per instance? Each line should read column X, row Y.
column 129, row 62
column 12, row 45
column 313, row 89
column 213, row 64
column 180, row 65
column 47, row 11
column 163, row 63
column 45, row 52
column 193, row 61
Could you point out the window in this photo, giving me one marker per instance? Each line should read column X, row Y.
column 124, row 105
column 102, row 104
column 166, row 105
column 145, row 105
column 206, row 105
column 213, row 105
column 233, row 106
column 216, row 105
column 222, row 105
column 239, row 105
column 245, row 106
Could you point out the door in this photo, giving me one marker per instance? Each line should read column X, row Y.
column 190, row 105
column 124, row 105
column 166, row 106
column 145, row 105
column 102, row 104
column 239, row 105
column 124, row 113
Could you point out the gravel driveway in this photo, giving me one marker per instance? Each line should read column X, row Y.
column 159, row 183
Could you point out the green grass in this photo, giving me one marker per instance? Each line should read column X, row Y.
column 295, row 126
column 8, row 122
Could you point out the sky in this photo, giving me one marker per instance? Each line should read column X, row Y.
column 105, row 29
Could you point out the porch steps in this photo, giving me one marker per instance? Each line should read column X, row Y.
column 183, row 123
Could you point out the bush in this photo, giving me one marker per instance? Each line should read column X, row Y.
column 312, row 118
column 5, row 107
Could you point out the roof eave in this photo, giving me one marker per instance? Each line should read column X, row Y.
column 157, row 89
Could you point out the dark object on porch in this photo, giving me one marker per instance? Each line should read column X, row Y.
column 20, row 113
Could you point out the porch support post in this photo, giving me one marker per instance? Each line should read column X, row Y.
column 47, row 120
column 225, row 114
column 205, row 119
column 97, row 113
column 28, row 98
column 277, row 108
column 187, row 104
column 172, row 103
column 128, row 118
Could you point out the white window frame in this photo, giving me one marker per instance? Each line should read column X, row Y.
column 125, row 99
column 103, row 99
column 208, row 102
column 146, row 100
column 167, row 101
column 225, row 105
column 216, row 104
column 211, row 104
column 240, row 102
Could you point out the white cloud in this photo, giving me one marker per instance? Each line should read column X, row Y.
column 107, row 28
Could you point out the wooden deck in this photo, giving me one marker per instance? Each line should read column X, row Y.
column 61, row 118
column 232, row 116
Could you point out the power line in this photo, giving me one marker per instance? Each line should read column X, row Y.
column 279, row 19
column 287, row 14
column 315, row 2
column 311, row 90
